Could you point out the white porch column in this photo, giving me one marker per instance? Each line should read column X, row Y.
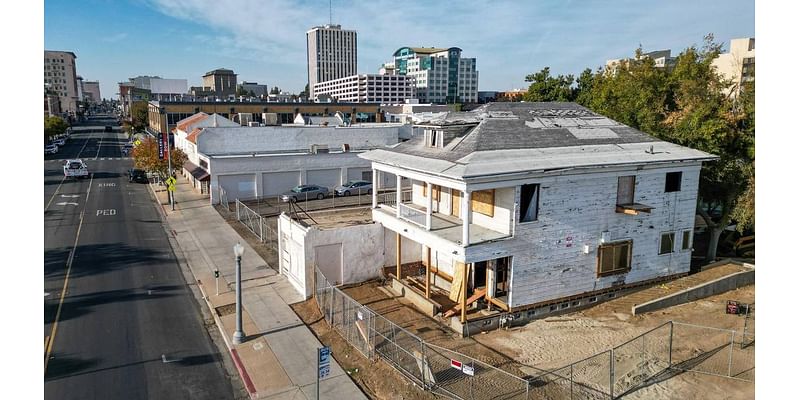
column 466, row 217
column 429, row 205
column 399, row 198
column 375, row 188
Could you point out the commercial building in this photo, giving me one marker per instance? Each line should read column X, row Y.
column 739, row 64
column 440, row 75
column 254, row 89
column 250, row 162
column 91, row 92
column 221, row 81
column 332, row 54
column 164, row 115
column 661, row 59
column 61, row 78
column 368, row 88
column 532, row 208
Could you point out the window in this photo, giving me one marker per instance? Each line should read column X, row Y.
column 625, row 188
column 686, row 243
column 667, row 243
column 673, row 183
column 614, row 258
column 529, row 203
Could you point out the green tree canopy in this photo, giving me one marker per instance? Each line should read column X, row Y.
column 139, row 118
column 549, row 88
column 54, row 126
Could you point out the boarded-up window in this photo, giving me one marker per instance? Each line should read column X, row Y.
column 625, row 187
column 437, row 191
column 529, row 203
column 483, row 202
column 614, row 258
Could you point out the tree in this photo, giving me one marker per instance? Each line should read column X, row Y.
column 275, row 90
column 145, row 156
column 54, row 126
column 548, row 88
column 241, row 91
column 139, row 117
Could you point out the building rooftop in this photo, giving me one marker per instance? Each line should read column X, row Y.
column 504, row 138
column 220, row 71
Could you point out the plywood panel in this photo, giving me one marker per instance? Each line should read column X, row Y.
column 483, row 202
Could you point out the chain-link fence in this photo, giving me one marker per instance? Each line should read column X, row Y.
column 434, row 368
column 611, row 374
column 713, row 351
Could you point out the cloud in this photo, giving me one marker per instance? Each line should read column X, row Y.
column 115, row 38
column 509, row 38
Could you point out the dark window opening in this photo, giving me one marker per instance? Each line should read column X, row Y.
column 673, row 182
column 529, row 203
column 667, row 243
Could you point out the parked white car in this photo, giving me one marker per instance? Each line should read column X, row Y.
column 50, row 149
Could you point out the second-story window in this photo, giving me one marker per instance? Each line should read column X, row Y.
column 529, row 203
column 625, row 188
column 673, row 183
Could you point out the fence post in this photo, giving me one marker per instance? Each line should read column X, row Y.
column 237, row 210
column 571, row 381
column 261, row 228
column 730, row 353
column 671, row 327
column 611, row 376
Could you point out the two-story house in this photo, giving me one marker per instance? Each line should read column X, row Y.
column 523, row 205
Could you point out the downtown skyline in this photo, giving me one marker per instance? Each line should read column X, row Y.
column 185, row 39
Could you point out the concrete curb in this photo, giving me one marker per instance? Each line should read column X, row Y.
column 712, row 288
column 248, row 383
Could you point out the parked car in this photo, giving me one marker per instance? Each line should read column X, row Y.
column 59, row 141
column 138, row 176
column 353, row 187
column 305, row 192
column 51, row 149
column 127, row 148
column 108, row 128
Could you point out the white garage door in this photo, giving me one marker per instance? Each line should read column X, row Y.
column 329, row 178
column 275, row 183
column 241, row 186
column 359, row 174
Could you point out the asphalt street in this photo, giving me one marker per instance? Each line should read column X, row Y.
column 120, row 321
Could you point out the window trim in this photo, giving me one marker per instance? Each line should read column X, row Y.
column 661, row 239
column 612, row 245
column 691, row 240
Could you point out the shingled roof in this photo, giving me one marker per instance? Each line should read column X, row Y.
column 505, row 134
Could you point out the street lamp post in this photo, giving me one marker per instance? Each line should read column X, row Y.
column 238, row 336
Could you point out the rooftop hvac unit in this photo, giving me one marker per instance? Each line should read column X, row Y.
column 319, row 149
column 345, row 148
column 253, row 124
column 269, row 118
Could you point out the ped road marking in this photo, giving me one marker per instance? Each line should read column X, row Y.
column 52, row 337
column 66, row 204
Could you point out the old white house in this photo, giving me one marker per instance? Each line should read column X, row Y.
column 529, row 207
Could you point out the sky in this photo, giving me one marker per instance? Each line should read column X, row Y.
column 264, row 40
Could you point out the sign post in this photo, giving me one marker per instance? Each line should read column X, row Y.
column 323, row 364
column 216, row 278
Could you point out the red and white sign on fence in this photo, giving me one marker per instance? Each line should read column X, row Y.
column 455, row 364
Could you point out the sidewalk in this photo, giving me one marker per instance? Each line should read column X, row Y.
column 278, row 357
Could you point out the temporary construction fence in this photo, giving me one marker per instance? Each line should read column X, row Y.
column 665, row 350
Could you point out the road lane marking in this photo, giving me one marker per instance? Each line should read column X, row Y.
column 64, row 203
column 71, row 257
column 54, row 193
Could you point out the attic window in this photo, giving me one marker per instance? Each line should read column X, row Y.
column 433, row 138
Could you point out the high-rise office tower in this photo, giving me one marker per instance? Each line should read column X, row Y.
column 332, row 54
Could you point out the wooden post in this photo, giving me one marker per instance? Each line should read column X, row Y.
column 398, row 250
column 464, row 294
column 428, row 273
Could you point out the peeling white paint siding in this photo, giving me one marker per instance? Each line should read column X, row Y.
column 548, row 265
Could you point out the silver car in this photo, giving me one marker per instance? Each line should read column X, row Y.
column 305, row 192
column 353, row 187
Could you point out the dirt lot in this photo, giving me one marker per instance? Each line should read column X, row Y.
column 557, row 341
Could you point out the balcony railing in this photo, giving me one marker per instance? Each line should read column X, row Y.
column 413, row 215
